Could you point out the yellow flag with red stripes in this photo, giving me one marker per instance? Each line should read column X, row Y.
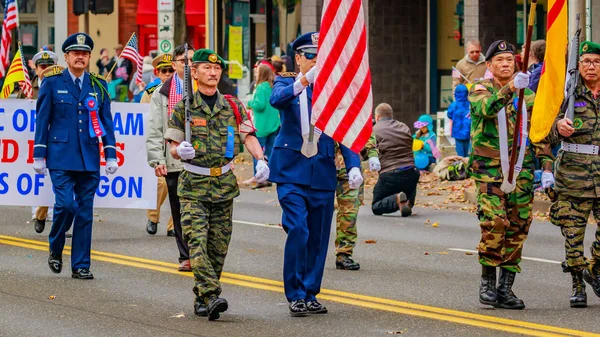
column 551, row 90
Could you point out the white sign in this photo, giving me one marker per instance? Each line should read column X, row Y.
column 165, row 18
column 165, row 5
column 133, row 186
column 165, row 32
column 165, row 46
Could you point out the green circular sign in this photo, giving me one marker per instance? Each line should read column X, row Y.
column 165, row 46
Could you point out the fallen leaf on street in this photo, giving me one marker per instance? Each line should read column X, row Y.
column 100, row 220
column 468, row 253
column 435, row 224
column 428, row 221
column 443, row 253
column 180, row 315
column 399, row 332
column 51, row 297
column 370, row 241
column 426, row 253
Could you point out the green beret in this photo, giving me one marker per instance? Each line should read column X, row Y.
column 589, row 47
column 208, row 56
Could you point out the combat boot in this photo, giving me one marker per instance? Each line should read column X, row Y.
column 487, row 287
column 591, row 277
column 506, row 298
column 578, row 297
column 346, row 262
column 215, row 307
column 200, row 307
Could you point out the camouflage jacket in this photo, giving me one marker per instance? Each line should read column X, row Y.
column 369, row 151
column 487, row 99
column 578, row 174
column 209, row 138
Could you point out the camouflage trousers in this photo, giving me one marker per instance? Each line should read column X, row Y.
column 572, row 214
column 504, row 220
column 348, row 203
column 207, row 229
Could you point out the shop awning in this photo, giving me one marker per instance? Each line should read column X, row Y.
column 147, row 13
column 195, row 12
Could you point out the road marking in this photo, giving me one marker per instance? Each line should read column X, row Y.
column 256, row 224
column 378, row 303
column 523, row 258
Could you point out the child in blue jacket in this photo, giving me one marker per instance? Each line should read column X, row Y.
column 459, row 113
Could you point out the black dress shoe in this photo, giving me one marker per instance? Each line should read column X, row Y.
column 151, row 227
column 55, row 263
column 215, row 307
column 200, row 307
column 82, row 274
column 171, row 233
column 298, row 308
column 39, row 225
column 345, row 262
column 314, row 307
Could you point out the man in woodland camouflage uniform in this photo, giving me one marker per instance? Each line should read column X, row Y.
column 348, row 203
column 207, row 185
column 578, row 177
column 504, row 217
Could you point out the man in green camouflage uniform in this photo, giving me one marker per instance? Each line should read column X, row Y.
column 348, row 203
column 504, row 217
column 207, row 185
column 578, row 176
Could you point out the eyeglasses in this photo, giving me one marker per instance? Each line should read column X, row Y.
column 587, row 63
column 309, row 56
column 167, row 70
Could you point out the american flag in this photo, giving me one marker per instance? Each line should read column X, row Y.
column 11, row 21
column 130, row 52
column 343, row 98
column 26, row 85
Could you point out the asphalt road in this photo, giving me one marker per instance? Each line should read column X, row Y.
column 415, row 280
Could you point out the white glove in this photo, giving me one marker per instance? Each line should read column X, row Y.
column 185, row 150
column 262, row 171
column 521, row 81
column 355, row 179
column 547, row 179
column 39, row 166
column 310, row 75
column 111, row 166
column 374, row 164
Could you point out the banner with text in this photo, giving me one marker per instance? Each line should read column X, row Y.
column 133, row 186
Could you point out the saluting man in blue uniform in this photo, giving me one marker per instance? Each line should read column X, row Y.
column 303, row 166
column 73, row 110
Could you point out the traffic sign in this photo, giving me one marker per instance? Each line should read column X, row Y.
column 165, row 32
column 165, row 5
column 165, row 18
column 166, row 46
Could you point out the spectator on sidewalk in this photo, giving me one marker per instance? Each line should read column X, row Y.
column 460, row 114
column 104, row 63
column 396, row 187
column 427, row 145
column 122, row 70
column 266, row 118
column 536, row 63
column 472, row 66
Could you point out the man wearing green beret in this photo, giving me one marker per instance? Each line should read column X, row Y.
column 207, row 184
column 577, row 172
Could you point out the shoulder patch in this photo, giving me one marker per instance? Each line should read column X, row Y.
column 100, row 77
column 53, row 71
column 151, row 90
column 288, row 74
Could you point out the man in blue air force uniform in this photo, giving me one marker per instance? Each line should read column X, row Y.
column 303, row 166
column 73, row 110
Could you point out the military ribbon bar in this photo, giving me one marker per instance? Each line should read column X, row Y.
column 96, row 127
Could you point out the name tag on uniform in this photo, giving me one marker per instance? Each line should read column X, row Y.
column 198, row 122
column 62, row 91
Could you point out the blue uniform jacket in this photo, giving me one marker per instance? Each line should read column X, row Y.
column 286, row 163
column 62, row 133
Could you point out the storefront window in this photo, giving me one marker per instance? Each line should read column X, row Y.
column 50, row 6
column 286, row 25
column 27, row 6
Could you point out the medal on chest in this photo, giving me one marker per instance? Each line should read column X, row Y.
column 95, row 125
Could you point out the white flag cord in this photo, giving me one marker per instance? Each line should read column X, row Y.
column 509, row 186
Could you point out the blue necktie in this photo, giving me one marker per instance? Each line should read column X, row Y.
column 78, row 85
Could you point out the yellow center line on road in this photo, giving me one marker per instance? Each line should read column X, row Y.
column 364, row 301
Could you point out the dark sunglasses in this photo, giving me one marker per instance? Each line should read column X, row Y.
column 309, row 56
column 167, row 70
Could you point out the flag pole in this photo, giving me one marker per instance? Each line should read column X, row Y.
column 519, row 119
column 114, row 64
column 463, row 76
